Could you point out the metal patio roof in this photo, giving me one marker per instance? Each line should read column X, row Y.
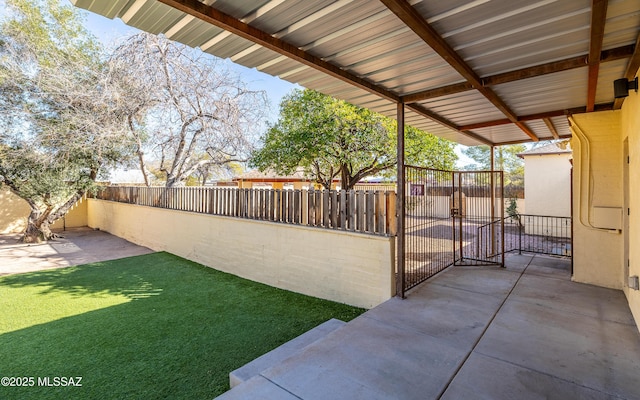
column 476, row 72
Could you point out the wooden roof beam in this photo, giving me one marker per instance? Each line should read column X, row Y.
column 438, row 92
column 224, row 21
column 417, row 108
column 549, row 123
column 533, row 117
column 410, row 17
column 524, row 73
column 598, row 19
column 617, row 53
column 508, row 142
column 630, row 73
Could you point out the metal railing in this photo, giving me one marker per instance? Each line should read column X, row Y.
column 489, row 239
column 355, row 211
column 541, row 234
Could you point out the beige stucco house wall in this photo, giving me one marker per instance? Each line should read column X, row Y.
column 547, row 180
column 597, row 192
column 631, row 196
column 606, row 202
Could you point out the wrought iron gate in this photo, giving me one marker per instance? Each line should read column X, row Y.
column 450, row 218
column 477, row 215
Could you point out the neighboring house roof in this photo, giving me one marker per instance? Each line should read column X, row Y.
column 553, row 148
column 271, row 176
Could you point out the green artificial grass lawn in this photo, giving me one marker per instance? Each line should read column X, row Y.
column 148, row 327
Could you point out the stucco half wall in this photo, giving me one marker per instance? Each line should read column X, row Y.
column 349, row 268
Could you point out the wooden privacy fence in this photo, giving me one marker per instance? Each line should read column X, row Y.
column 371, row 212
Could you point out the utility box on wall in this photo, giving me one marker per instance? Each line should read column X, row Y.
column 606, row 217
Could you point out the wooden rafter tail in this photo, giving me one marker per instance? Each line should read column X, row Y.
column 552, row 127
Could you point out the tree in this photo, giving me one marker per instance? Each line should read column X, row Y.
column 192, row 113
column 61, row 123
column 506, row 159
column 331, row 138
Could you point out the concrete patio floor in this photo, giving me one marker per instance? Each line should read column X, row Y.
column 524, row 332
column 77, row 246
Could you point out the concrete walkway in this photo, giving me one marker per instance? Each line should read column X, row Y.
column 524, row 332
column 78, row 246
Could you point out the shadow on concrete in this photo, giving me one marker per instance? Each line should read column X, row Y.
column 76, row 246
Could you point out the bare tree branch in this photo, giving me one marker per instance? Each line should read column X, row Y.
column 194, row 107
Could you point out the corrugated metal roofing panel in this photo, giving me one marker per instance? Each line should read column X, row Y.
column 254, row 56
column 278, row 66
column 109, row 9
column 623, row 19
column 464, row 108
column 366, row 39
column 241, row 9
column 286, row 14
column 335, row 19
column 490, row 61
column 152, row 16
column 392, row 62
column 390, row 45
column 562, row 126
column 540, row 129
column 356, row 34
column 502, row 133
column 504, row 35
column 227, row 46
column 608, row 73
column 192, row 32
column 558, row 91
column 494, row 18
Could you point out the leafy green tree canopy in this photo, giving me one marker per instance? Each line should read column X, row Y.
column 506, row 159
column 331, row 138
column 60, row 120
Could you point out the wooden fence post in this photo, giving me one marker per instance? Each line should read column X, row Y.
column 392, row 220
